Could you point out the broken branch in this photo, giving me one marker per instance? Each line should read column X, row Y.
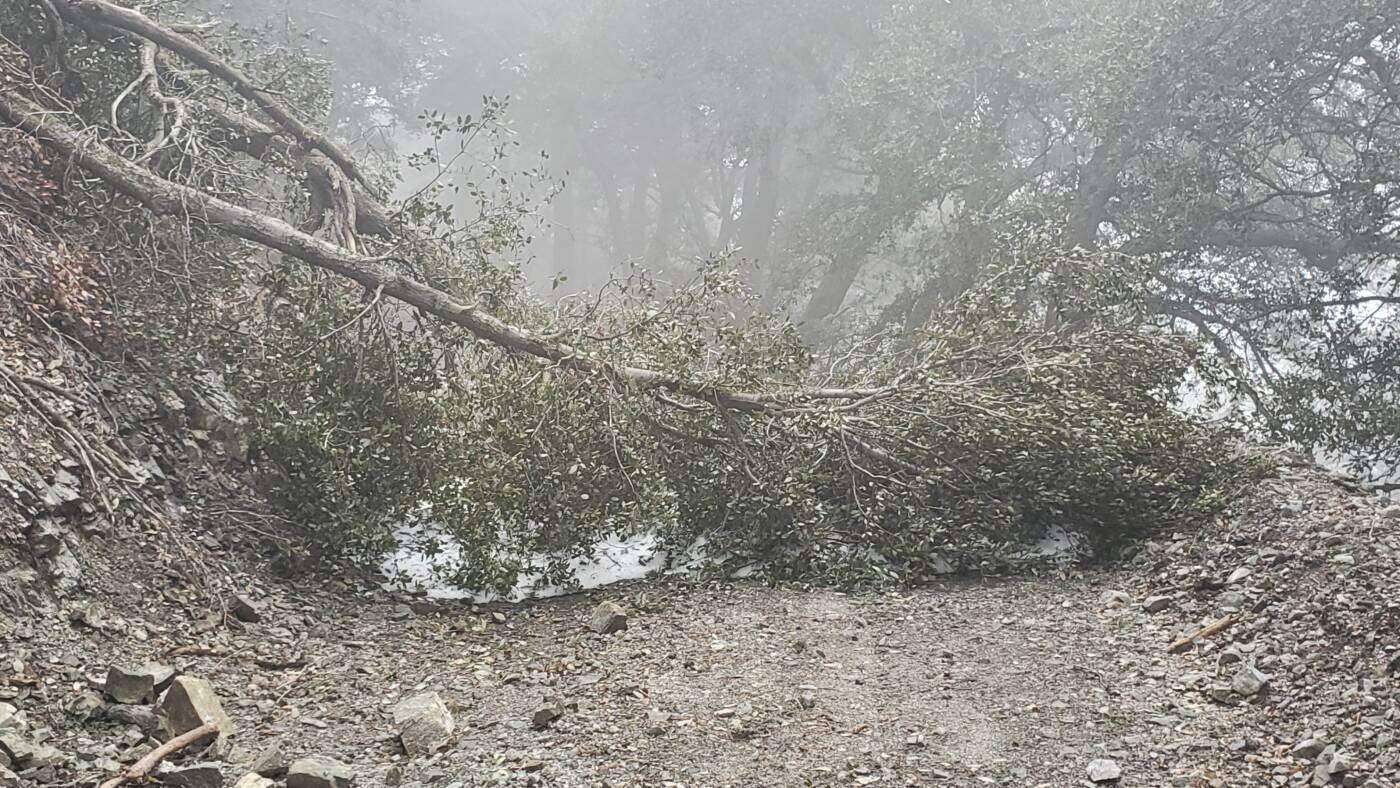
column 1209, row 630
column 101, row 12
column 142, row 768
column 172, row 199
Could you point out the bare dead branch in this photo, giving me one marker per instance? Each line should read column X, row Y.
column 141, row 769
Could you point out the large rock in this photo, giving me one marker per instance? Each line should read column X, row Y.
column 188, row 704
column 244, row 609
column 319, row 771
column 272, row 762
column 608, row 617
column 1249, row 681
column 139, row 684
column 199, row 775
column 424, row 723
column 1104, row 770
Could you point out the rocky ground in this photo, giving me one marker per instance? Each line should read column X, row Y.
column 1049, row 680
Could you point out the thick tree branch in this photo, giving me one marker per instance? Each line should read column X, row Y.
column 167, row 198
column 101, row 12
column 256, row 139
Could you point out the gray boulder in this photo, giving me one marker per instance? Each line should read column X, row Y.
column 137, row 685
column 424, row 723
column 188, row 704
column 318, row 771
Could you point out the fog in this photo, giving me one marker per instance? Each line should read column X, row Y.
column 865, row 164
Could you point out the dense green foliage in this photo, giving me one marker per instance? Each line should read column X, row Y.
column 995, row 431
column 1039, row 396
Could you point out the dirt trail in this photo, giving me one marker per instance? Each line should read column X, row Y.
column 1019, row 682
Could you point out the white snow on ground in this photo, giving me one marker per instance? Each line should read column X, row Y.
column 614, row 560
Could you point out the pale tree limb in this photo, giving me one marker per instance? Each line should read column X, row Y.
column 172, row 199
column 1209, row 630
column 256, row 139
column 101, row 12
column 142, row 769
column 169, row 198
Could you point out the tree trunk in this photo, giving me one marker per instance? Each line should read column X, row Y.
column 637, row 214
column 762, row 188
column 565, row 241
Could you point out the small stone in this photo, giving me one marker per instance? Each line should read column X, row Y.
column 531, row 766
column 1249, row 681
column 608, row 617
column 253, row 781
column 424, row 723
column 188, row 704
column 1156, row 604
column 319, row 771
column 137, row 685
column 657, row 722
column 1238, row 576
column 1114, row 599
column 544, row 716
column 244, row 609
column 199, row 775
column 1104, row 770
column 807, row 700
column 272, row 762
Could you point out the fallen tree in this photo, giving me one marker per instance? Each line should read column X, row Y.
column 670, row 417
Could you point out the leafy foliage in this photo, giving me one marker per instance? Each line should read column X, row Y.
column 985, row 433
column 1040, row 398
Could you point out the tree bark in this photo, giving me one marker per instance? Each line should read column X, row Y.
column 101, row 12
column 760, row 208
column 172, row 199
